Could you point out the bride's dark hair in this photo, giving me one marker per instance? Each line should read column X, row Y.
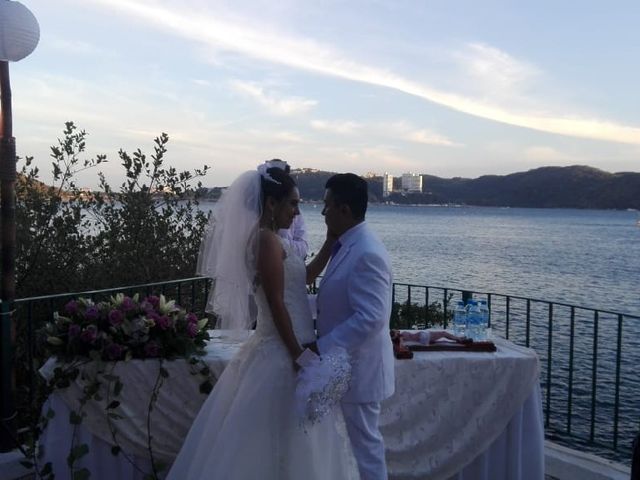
column 278, row 189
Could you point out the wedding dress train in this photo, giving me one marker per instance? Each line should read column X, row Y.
column 247, row 428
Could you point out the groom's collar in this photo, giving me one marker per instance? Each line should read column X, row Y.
column 350, row 234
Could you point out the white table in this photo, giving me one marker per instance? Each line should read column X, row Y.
column 466, row 415
column 455, row 415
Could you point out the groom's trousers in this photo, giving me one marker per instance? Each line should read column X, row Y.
column 366, row 439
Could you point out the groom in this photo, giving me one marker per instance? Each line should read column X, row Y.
column 354, row 306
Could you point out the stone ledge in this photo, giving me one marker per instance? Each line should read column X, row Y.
column 564, row 463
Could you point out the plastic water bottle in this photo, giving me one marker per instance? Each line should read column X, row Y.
column 484, row 319
column 460, row 320
column 473, row 320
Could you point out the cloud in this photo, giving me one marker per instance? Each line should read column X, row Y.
column 200, row 82
column 78, row 47
column 289, row 137
column 304, row 54
column 341, row 127
column 495, row 69
column 429, row 138
column 377, row 158
column 406, row 131
column 274, row 103
column 423, row 136
column 547, row 155
column 400, row 130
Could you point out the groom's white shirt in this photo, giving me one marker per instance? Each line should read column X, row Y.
column 354, row 306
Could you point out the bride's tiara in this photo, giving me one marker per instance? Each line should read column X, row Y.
column 262, row 170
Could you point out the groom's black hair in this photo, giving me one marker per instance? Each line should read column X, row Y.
column 351, row 190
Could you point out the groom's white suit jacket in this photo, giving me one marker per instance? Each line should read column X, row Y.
column 354, row 306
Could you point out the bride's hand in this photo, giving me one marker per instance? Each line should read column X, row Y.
column 306, row 357
column 296, row 356
column 313, row 346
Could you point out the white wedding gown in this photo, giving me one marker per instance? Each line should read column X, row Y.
column 247, row 428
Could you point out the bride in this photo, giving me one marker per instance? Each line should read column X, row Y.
column 247, row 428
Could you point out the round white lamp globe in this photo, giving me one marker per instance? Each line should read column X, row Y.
column 19, row 31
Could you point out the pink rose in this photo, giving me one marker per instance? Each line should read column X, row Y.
column 163, row 322
column 71, row 307
column 89, row 334
column 153, row 300
column 74, row 330
column 192, row 329
column 91, row 313
column 128, row 304
column 115, row 317
column 147, row 306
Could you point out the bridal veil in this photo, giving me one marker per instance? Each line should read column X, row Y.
column 229, row 250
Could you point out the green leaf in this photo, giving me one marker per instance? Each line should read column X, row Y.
column 82, row 474
column 75, row 418
column 46, row 470
column 117, row 388
column 202, row 323
column 115, row 450
column 50, row 413
column 26, row 464
column 113, row 404
column 80, row 451
column 206, row 387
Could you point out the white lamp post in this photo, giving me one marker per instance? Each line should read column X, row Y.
column 19, row 35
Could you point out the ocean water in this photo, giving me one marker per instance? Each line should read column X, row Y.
column 584, row 257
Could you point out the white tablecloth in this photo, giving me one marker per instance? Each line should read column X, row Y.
column 474, row 414
column 455, row 415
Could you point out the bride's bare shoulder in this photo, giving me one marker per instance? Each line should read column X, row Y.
column 268, row 239
column 270, row 243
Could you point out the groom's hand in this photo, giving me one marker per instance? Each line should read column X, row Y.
column 313, row 346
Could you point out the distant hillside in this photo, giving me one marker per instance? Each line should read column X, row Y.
column 546, row 187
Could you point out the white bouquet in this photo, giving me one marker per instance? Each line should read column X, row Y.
column 322, row 381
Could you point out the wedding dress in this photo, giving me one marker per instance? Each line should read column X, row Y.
column 247, row 428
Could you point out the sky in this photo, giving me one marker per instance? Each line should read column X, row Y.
column 448, row 88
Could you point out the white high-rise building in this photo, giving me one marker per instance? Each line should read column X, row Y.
column 387, row 184
column 412, row 182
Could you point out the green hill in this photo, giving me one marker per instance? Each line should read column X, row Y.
column 545, row 187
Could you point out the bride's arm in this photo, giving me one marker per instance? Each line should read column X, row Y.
column 315, row 266
column 271, row 272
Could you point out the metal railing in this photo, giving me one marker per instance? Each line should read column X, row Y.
column 588, row 367
column 588, row 359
